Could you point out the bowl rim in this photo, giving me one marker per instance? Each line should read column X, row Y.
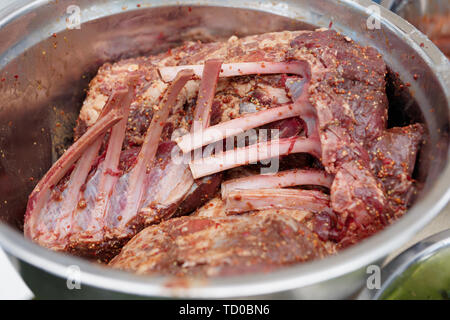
column 350, row 260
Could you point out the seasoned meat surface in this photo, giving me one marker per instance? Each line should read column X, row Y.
column 350, row 90
column 219, row 246
column 393, row 160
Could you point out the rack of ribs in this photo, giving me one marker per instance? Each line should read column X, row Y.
column 158, row 180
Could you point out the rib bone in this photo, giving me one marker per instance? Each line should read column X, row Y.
column 289, row 178
column 234, row 127
column 223, row 130
column 240, row 201
column 253, row 153
column 99, row 188
column 42, row 191
column 206, row 92
column 243, row 68
column 128, row 192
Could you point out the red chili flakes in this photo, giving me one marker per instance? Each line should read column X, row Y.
column 226, row 99
column 82, row 204
column 189, row 9
column 416, row 76
column 16, row 76
column 138, row 5
column 408, row 84
column 330, row 25
column 340, row 91
column 422, row 45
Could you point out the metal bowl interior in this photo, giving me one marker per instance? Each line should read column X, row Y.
column 44, row 69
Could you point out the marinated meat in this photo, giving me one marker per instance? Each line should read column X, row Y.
column 393, row 158
column 316, row 97
column 198, row 246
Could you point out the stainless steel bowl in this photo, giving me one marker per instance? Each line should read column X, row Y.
column 432, row 17
column 46, row 66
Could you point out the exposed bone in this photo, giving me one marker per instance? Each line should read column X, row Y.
column 253, row 153
column 240, row 201
column 79, row 174
column 71, row 193
column 168, row 183
column 108, row 170
column 289, row 178
column 243, row 68
column 206, row 92
column 41, row 192
column 234, row 127
column 223, row 130
column 129, row 190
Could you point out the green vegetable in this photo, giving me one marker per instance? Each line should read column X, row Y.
column 426, row 279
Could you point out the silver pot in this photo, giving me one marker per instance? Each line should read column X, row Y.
column 46, row 66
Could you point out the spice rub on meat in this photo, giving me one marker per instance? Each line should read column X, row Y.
column 198, row 246
column 321, row 97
